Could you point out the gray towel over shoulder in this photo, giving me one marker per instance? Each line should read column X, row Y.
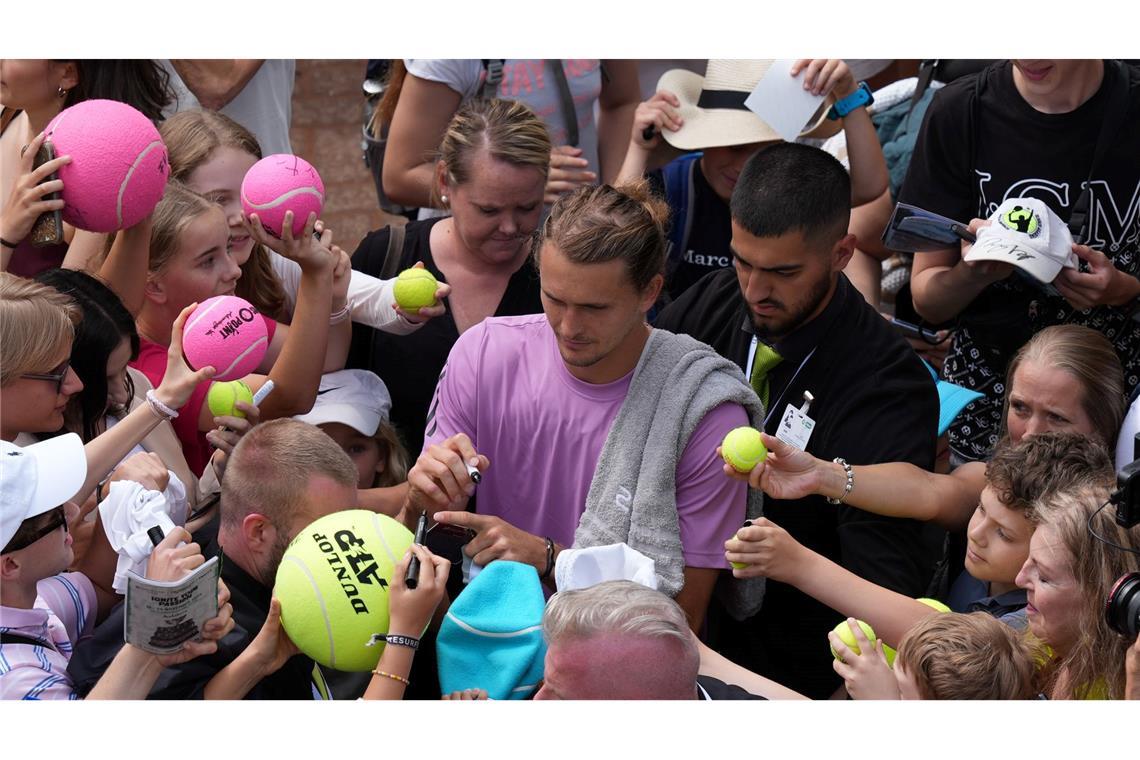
column 633, row 496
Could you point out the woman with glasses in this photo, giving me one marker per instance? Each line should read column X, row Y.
column 37, row 329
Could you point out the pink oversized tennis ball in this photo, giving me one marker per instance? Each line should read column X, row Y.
column 280, row 183
column 226, row 333
column 118, row 168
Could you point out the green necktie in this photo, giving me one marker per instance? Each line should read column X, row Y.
column 766, row 358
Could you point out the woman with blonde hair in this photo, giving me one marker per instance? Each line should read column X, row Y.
column 1076, row 556
column 211, row 153
column 490, row 174
column 37, row 382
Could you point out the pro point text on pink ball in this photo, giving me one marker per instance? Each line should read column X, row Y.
column 227, row 333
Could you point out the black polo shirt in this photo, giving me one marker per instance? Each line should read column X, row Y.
column 250, row 600
column 874, row 402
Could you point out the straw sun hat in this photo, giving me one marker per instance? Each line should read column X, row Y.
column 713, row 107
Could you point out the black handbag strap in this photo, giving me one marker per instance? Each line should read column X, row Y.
column 7, row 637
column 395, row 252
column 1114, row 113
column 566, row 98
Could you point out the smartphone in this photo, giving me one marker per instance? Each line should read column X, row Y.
column 910, row 330
column 912, row 229
column 48, row 227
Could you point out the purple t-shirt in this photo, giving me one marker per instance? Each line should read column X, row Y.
column 543, row 430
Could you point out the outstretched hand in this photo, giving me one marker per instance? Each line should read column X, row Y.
column 766, row 550
column 180, row 380
column 866, row 675
column 786, row 473
column 495, row 538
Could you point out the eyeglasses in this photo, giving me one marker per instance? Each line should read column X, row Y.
column 57, row 377
column 22, row 540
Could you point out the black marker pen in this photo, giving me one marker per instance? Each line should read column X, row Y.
column 412, row 577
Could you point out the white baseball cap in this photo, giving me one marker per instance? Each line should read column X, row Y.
column 353, row 397
column 1026, row 233
column 38, row 478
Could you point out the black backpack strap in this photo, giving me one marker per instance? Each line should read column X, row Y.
column 7, row 637
column 493, row 67
column 1115, row 111
column 566, row 98
column 925, row 75
column 395, row 252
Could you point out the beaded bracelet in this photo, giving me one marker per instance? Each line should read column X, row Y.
column 850, row 481
column 393, row 676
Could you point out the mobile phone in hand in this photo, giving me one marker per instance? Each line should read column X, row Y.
column 48, row 227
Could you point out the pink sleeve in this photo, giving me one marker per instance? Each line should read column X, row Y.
column 270, row 328
column 453, row 407
column 710, row 505
column 71, row 598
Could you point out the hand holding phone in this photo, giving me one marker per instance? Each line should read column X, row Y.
column 48, row 227
column 35, row 194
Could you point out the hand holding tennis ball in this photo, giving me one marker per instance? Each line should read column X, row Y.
column 743, row 449
column 222, row 398
column 846, row 634
column 415, row 289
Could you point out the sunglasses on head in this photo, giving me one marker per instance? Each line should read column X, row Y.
column 55, row 518
column 56, row 377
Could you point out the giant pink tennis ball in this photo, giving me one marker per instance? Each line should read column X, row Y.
column 280, row 183
column 118, row 166
column 226, row 333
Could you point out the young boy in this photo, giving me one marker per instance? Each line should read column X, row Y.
column 45, row 610
column 946, row 656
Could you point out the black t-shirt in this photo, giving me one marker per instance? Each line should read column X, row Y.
column 410, row 365
column 250, row 600
column 710, row 234
column 977, row 149
column 874, row 402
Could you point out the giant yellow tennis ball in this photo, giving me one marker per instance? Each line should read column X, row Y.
column 743, row 449
column 333, row 586
column 847, row 636
column 415, row 289
column 222, row 396
column 934, row 603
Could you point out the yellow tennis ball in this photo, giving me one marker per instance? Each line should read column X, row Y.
column 333, row 585
column 415, row 289
column 934, row 603
column 743, row 449
column 847, row 636
column 889, row 653
column 222, row 396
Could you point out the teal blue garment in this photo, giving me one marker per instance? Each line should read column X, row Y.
column 952, row 399
column 491, row 637
column 897, row 128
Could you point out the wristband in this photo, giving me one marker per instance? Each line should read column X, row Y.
column 396, row 639
column 850, row 481
column 159, row 408
column 861, row 97
column 6, row 244
column 339, row 316
column 549, row 559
